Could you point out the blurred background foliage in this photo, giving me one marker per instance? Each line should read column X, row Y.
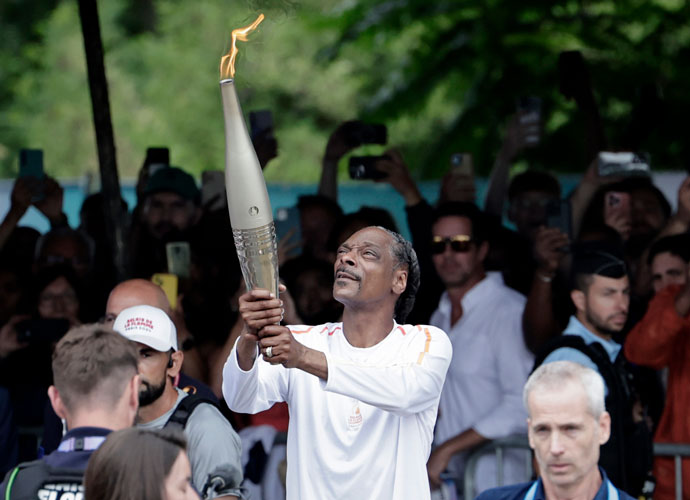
column 443, row 75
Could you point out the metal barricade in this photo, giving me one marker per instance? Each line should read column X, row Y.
column 678, row 451
column 497, row 446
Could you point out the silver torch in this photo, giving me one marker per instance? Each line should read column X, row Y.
column 251, row 217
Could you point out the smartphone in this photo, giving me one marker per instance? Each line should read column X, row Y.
column 179, row 257
column 623, row 164
column 168, row 282
column 156, row 159
column 558, row 215
column 358, row 133
column 213, row 190
column 364, row 167
column 31, row 165
column 461, row 164
column 261, row 122
column 529, row 113
column 41, row 330
column 572, row 73
column 287, row 222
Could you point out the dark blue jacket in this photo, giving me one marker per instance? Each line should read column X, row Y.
column 518, row 491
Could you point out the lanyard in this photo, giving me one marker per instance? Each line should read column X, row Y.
column 610, row 489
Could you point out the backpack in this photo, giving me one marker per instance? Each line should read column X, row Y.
column 627, row 455
column 38, row 480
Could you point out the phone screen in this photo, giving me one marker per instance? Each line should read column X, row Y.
column 31, row 163
column 558, row 215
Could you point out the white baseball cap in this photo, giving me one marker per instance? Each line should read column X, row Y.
column 148, row 325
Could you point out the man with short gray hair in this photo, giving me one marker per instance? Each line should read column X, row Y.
column 567, row 424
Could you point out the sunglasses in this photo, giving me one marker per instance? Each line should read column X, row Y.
column 458, row 243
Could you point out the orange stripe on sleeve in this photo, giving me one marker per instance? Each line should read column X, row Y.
column 302, row 331
column 426, row 346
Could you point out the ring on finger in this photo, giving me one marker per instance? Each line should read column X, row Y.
column 269, row 352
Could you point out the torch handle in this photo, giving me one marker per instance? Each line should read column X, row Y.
column 258, row 255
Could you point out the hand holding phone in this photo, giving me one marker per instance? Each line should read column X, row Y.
column 550, row 246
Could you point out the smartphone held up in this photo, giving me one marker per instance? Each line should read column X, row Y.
column 623, row 164
column 529, row 116
column 364, row 167
column 31, row 169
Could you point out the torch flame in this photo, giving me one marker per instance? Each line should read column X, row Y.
column 227, row 62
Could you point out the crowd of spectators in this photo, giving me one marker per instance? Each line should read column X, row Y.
column 611, row 271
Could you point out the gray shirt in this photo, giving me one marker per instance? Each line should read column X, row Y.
column 211, row 443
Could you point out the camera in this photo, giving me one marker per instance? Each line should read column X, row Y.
column 364, row 167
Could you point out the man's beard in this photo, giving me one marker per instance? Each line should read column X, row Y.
column 150, row 393
column 600, row 326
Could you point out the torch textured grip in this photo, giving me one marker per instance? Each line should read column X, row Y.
column 258, row 255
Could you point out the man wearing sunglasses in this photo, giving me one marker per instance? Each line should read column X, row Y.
column 481, row 398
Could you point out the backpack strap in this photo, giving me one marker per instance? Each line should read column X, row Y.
column 184, row 409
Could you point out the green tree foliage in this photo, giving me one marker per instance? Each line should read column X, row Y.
column 480, row 56
column 164, row 90
column 444, row 76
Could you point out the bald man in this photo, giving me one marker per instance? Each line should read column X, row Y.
column 140, row 292
column 136, row 292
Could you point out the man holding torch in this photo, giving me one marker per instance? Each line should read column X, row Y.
column 363, row 394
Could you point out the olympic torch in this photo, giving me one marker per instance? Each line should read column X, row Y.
column 251, row 217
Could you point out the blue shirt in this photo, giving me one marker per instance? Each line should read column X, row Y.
column 569, row 354
column 518, row 491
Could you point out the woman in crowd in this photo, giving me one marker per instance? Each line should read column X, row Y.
column 140, row 463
